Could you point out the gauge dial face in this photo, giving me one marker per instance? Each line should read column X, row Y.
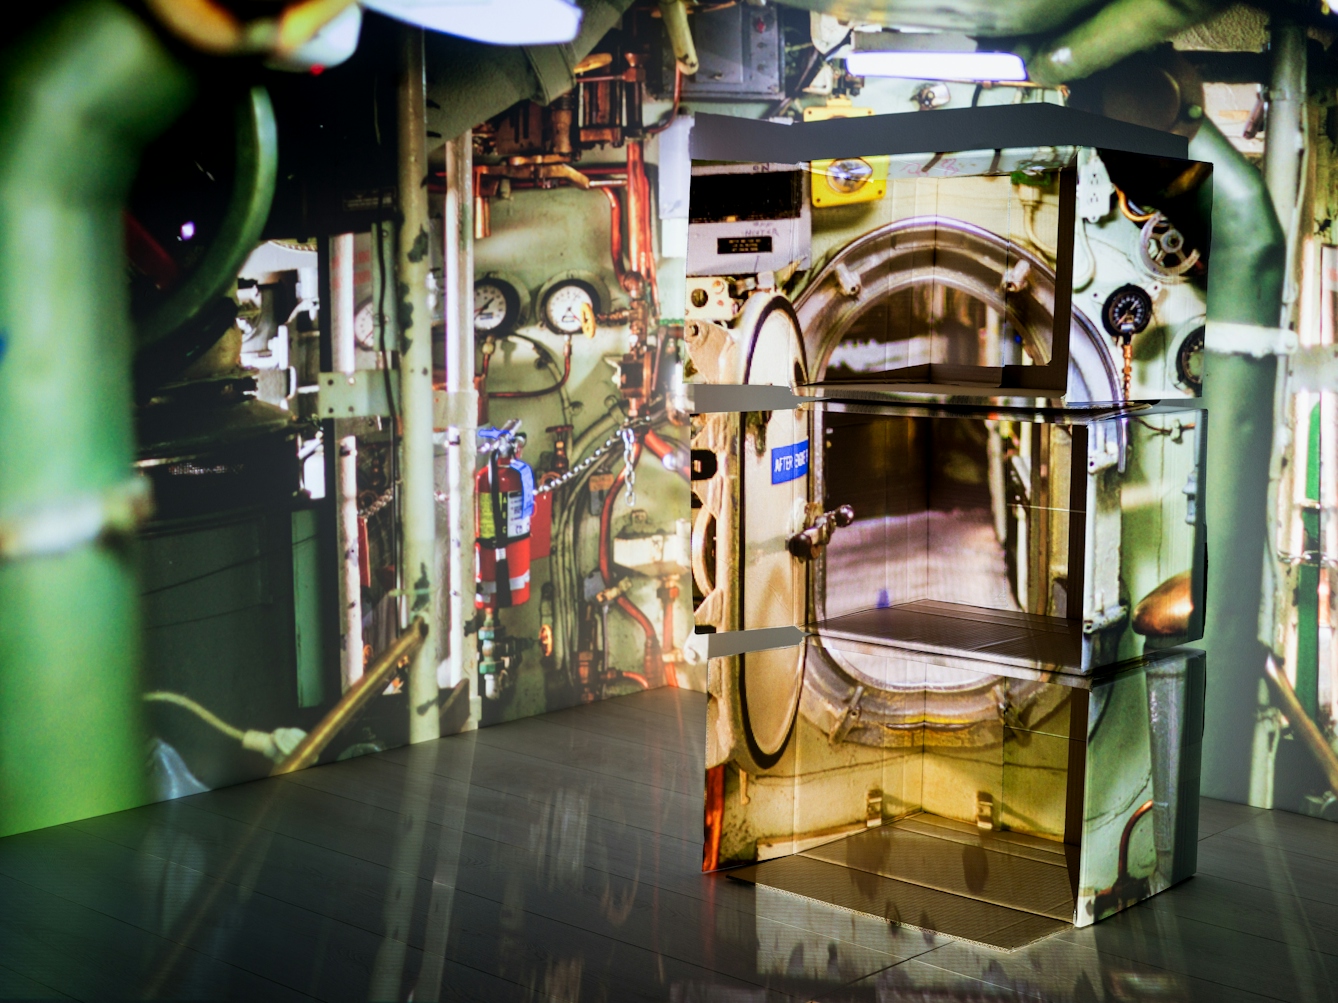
column 1189, row 361
column 364, row 326
column 496, row 305
column 1127, row 312
column 563, row 304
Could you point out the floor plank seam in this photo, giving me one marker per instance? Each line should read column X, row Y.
column 185, row 946
column 400, row 814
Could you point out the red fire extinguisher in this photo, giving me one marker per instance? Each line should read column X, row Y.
column 502, row 547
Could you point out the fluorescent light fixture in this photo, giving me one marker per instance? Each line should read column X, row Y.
column 920, row 65
column 498, row 22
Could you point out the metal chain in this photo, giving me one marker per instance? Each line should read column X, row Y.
column 621, row 436
column 629, row 461
column 378, row 505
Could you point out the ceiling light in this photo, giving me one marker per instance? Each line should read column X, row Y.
column 498, row 22
column 937, row 65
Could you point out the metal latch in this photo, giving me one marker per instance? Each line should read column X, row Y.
column 807, row 543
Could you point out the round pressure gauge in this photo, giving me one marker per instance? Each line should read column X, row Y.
column 565, row 302
column 1189, row 361
column 496, row 305
column 1127, row 312
column 364, row 326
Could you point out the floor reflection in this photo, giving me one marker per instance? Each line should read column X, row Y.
column 558, row 859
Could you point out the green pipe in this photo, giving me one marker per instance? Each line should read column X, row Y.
column 1117, row 30
column 81, row 92
column 1245, row 282
column 257, row 168
column 1307, row 575
column 674, row 14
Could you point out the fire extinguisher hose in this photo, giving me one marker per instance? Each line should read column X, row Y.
column 499, row 528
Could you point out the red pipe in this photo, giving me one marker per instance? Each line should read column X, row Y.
column 519, row 394
column 149, row 256
column 606, row 570
column 715, row 817
column 661, row 447
column 636, row 677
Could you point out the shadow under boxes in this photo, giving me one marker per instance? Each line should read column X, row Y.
column 996, row 806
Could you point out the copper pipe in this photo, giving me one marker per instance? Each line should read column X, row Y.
column 616, row 234
column 1300, row 720
column 373, row 681
column 1128, row 834
column 668, row 653
column 636, row 204
column 673, row 112
column 1167, row 609
column 564, row 172
column 482, row 207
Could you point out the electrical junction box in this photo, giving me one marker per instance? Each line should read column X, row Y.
column 740, row 54
column 949, row 558
column 746, row 219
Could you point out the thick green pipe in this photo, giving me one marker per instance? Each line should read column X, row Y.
column 1245, row 283
column 1115, row 31
column 257, row 169
column 80, row 94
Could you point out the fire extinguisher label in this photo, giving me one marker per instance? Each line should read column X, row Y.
column 517, row 519
column 789, row 463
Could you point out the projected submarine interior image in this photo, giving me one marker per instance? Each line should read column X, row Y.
column 964, row 570
column 715, row 501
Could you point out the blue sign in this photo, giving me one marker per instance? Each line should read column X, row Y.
column 789, row 463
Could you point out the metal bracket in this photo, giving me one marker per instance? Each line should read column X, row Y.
column 455, row 409
column 1107, row 617
column 1313, row 368
column 1225, row 338
column 360, row 394
column 848, row 717
column 724, row 643
column 707, row 398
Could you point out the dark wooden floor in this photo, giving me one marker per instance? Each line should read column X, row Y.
column 557, row 859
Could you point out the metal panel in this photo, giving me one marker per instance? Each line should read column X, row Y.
column 739, row 49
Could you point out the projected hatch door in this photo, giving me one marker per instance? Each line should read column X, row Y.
column 775, row 479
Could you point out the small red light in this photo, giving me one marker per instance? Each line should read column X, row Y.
column 760, row 26
column 317, row 70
